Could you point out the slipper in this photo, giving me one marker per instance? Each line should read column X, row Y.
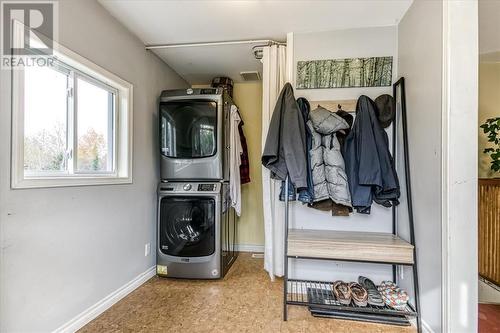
column 374, row 297
column 393, row 296
column 359, row 294
column 342, row 292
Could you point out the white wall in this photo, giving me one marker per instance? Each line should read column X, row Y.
column 460, row 132
column 64, row 249
column 365, row 42
column 420, row 62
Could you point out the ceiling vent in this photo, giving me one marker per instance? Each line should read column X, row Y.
column 250, row 76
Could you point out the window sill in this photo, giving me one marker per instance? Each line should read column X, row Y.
column 69, row 182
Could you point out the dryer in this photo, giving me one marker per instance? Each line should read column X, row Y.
column 194, row 134
column 196, row 230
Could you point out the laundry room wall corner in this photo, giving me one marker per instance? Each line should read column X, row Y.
column 248, row 97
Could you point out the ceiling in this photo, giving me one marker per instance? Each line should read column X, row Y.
column 199, row 65
column 170, row 22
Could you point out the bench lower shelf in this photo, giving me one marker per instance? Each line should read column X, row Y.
column 320, row 295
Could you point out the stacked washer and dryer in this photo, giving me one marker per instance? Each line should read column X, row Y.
column 196, row 223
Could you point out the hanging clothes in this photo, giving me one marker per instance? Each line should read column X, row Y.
column 327, row 163
column 285, row 149
column 245, row 162
column 305, row 195
column 342, row 134
column 369, row 164
column 235, row 151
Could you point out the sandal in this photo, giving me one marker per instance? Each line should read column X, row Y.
column 374, row 297
column 393, row 296
column 342, row 292
column 359, row 294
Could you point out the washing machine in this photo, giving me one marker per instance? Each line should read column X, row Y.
column 196, row 230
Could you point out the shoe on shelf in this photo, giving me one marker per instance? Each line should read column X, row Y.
column 342, row 292
column 359, row 294
column 393, row 296
column 374, row 297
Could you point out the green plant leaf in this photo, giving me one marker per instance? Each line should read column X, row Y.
column 491, row 129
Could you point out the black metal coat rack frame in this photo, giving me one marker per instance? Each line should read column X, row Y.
column 302, row 244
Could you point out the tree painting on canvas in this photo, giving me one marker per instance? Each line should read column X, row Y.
column 344, row 73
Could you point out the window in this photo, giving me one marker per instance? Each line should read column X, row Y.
column 71, row 124
column 61, row 104
column 45, row 121
column 95, row 127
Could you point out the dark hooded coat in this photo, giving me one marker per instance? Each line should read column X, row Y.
column 285, row 149
column 369, row 164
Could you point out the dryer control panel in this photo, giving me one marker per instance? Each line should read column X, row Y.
column 189, row 187
column 206, row 187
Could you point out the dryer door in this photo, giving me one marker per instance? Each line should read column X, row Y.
column 187, row 226
column 189, row 129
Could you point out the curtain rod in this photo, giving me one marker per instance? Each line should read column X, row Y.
column 232, row 42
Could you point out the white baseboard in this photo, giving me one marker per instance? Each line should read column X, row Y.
column 249, row 248
column 95, row 310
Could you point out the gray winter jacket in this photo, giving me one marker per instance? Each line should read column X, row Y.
column 285, row 149
column 327, row 163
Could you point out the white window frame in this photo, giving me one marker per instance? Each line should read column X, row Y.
column 122, row 122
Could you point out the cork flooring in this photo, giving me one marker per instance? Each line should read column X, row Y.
column 244, row 301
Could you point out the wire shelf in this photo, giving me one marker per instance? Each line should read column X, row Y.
column 320, row 294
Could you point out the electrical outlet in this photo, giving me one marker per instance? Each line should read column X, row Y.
column 147, row 249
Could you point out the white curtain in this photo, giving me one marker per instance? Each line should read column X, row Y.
column 273, row 79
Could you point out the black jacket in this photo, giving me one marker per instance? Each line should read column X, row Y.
column 369, row 164
column 285, row 149
column 305, row 108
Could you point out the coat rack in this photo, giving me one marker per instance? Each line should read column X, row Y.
column 366, row 247
column 348, row 105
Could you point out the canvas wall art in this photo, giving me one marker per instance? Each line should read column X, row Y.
column 344, row 73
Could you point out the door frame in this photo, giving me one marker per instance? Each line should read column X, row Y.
column 459, row 166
